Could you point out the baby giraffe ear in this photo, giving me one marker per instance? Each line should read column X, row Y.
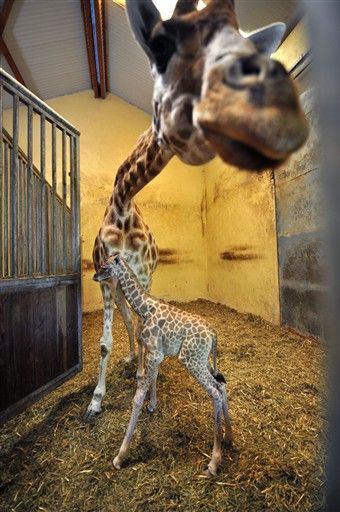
column 143, row 16
column 268, row 39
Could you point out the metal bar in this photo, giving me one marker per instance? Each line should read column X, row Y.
column 324, row 26
column 5, row 202
column 24, row 217
column 43, row 217
column 24, row 158
column 53, row 198
column 75, row 212
column 29, row 187
column 19, row 219
column 27, row 97
column 73, row 209
column 1, row 180
column 13, row 181
column 64, row 195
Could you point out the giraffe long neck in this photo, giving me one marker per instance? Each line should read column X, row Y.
column 145, row 163
column 136, row 296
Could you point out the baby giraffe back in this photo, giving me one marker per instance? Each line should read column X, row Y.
column 169, row 329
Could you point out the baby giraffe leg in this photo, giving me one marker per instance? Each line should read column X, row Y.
column 108, row 292
column 152, row 362
column 140, row 368
column 228, row 436
column 127, row 315
column 153, row 390
column 204, row 377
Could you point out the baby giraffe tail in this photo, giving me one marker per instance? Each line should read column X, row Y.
column 215, row 373
column 219, row 377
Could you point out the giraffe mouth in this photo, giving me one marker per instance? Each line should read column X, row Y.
column 238, row 153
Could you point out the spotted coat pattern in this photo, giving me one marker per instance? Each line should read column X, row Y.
column 168, row 331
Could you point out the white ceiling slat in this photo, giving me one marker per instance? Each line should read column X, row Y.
column 128, row 68
column 46, row 39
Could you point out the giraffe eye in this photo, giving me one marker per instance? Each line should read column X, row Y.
column 163, row 48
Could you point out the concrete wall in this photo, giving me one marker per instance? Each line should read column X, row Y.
column 300, row 231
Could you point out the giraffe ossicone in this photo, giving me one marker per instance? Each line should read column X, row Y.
column 168, row 331
column 215, row 92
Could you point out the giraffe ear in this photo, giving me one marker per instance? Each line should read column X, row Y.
column 268, row 39
column 143, row 16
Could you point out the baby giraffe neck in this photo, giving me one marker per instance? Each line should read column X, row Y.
column 133, row 292
column 145, row 163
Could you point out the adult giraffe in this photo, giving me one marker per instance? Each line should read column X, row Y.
column 216, row 93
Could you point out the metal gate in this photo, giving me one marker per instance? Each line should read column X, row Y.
column 40, row 272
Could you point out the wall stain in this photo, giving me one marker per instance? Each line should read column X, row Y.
column 204, row 213
column 87, row 264
column 239, row 253
column 168, row 256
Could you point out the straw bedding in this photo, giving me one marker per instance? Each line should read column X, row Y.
column 51, row 461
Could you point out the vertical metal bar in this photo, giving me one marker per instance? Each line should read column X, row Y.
column 13, row 181
column 5, row 203
column 72, row 197
column 64, row 195
column 1, row 181
column 42, row 213
column 24, row 215
column 29, row 187
column 54, row 200
column 19, row 219
column 75, row 204
column 324, row 20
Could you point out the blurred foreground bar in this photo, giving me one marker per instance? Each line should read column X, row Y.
column 324, row 23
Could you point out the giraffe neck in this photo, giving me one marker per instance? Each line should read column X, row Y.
column 133, row 292
column 145, row 163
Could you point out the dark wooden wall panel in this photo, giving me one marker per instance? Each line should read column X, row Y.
column 39, row 341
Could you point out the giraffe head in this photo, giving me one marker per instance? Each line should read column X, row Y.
column 217, row 92
column 112, row 267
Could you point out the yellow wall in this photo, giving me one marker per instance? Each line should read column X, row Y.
column 170, row 204
column 241, row 240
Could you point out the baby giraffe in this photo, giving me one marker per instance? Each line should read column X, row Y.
column 168, row 331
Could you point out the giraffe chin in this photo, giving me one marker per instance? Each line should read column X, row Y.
column 240, row 155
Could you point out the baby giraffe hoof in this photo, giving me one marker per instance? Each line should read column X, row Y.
column 151, row 408
column 116, row 463
column 210, row 471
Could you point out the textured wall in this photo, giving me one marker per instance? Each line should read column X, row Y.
column 300, row 226
column 171, row 204
column 241, row 240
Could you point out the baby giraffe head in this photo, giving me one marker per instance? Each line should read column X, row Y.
column 217, row 92
column 109, row 270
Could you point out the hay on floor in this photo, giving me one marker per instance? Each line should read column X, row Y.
column 50, row 461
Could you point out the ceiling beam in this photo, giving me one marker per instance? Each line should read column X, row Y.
column 94, row 26
column 5, row 12
column 6, row 53
column 100, row 32
column 6, row 9
column 86, row 8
